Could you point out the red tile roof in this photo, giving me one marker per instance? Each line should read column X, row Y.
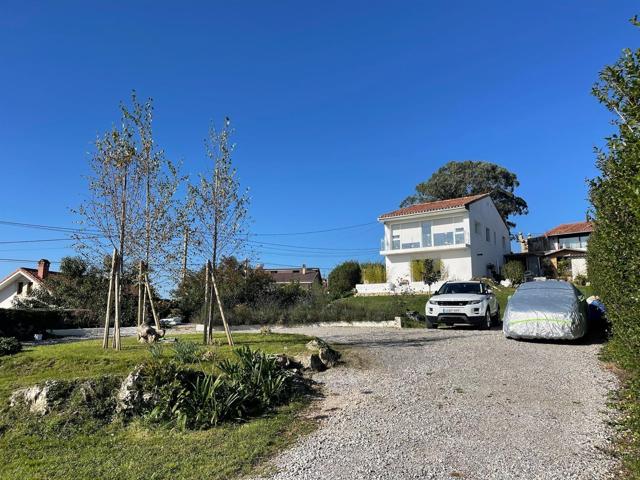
column 433, row 206
column 288, row 275
column 570, row 229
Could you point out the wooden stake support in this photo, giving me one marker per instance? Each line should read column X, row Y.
column 113, row 298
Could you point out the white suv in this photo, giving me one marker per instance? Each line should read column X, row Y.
column 469, row 303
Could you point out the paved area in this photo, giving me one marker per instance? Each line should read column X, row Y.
column 456, row 403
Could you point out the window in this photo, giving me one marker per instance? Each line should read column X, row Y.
column 494, row 238
column 426, row 234
column 395, row 242
column 477, row 227
column 573, row 242
column 20, row 287
column 487, row 234
column 459, row 235
column 29, row 286
column 445, row 238
column 460, row 287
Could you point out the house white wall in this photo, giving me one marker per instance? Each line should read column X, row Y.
column 483, row 215
column 457, row 264
column 455, row 257
column 578, row 266
column 9, row 290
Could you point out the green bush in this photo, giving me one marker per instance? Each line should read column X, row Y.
column 613, row 256
column 514, row 271
column 373, row 272
column 9, row 346
column 343, row 278
column 251, row 385
column 186, row 351
column 581, row 280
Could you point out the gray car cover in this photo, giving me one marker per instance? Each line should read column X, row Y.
column 552, row 309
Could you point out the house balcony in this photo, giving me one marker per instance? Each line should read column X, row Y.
column 437, row 244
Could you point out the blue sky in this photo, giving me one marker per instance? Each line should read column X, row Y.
column 340, row 108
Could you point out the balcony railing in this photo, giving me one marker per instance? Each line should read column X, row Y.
column 437, row 241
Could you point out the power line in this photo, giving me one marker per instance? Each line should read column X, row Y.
column 47, row 227
column 312, row 248
column 314, row 231
column 21, row 260
column 47, row 240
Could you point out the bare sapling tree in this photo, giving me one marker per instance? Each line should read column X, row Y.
column 220, row 215
column 159, row 182
column 131, row 202
column 111, row 210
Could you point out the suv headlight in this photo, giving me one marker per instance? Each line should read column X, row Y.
column 432, row 302
column 475, row 302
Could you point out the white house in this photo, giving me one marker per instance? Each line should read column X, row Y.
column 567, row 242
column 467, row 234
column 22, row 281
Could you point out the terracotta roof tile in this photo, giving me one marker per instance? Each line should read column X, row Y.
column 433, row 206
column 288, row 275
column 570, row 228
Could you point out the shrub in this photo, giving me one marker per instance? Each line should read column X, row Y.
column 373, row 272
column 417, row 270
column 9, row 346
column 156, row 350
column 343, row 278
column 564, row 268
column 581, row 279
column 248, row 386
column 514, row 271
column 186, row 351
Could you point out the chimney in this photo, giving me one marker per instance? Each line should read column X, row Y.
column 43, row 268
column 304, row 269
column 524, row 244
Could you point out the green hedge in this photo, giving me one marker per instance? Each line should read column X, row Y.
column 23, row 324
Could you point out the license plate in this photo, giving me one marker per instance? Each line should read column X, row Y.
column 451, row 310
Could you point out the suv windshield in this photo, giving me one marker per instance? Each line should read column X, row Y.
column 460, row 288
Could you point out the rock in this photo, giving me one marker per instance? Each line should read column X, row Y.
column 317, row 344
column 130, row 397
column 311, row 361
column 148, row 334
column 36, row 398
column 288, row 363
column 327, row 355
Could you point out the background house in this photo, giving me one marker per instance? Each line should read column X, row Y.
column 567, row 242
column 305, row 276
column 466, row 234
column 22, row 281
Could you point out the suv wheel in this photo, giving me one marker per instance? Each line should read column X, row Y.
column 488, row 321
column 431, row 325
column 496, row 317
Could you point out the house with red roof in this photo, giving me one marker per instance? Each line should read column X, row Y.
column 22, row 282
column 566, row 242
column 466, row 234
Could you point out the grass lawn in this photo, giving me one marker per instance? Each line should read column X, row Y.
column 395, row 304
column 136, row 451
column 86, row 358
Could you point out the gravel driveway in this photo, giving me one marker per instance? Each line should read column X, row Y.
column 456, row 403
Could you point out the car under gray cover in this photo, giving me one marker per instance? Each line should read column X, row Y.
column 551, row 310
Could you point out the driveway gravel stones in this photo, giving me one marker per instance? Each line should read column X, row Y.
column 456, row 403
